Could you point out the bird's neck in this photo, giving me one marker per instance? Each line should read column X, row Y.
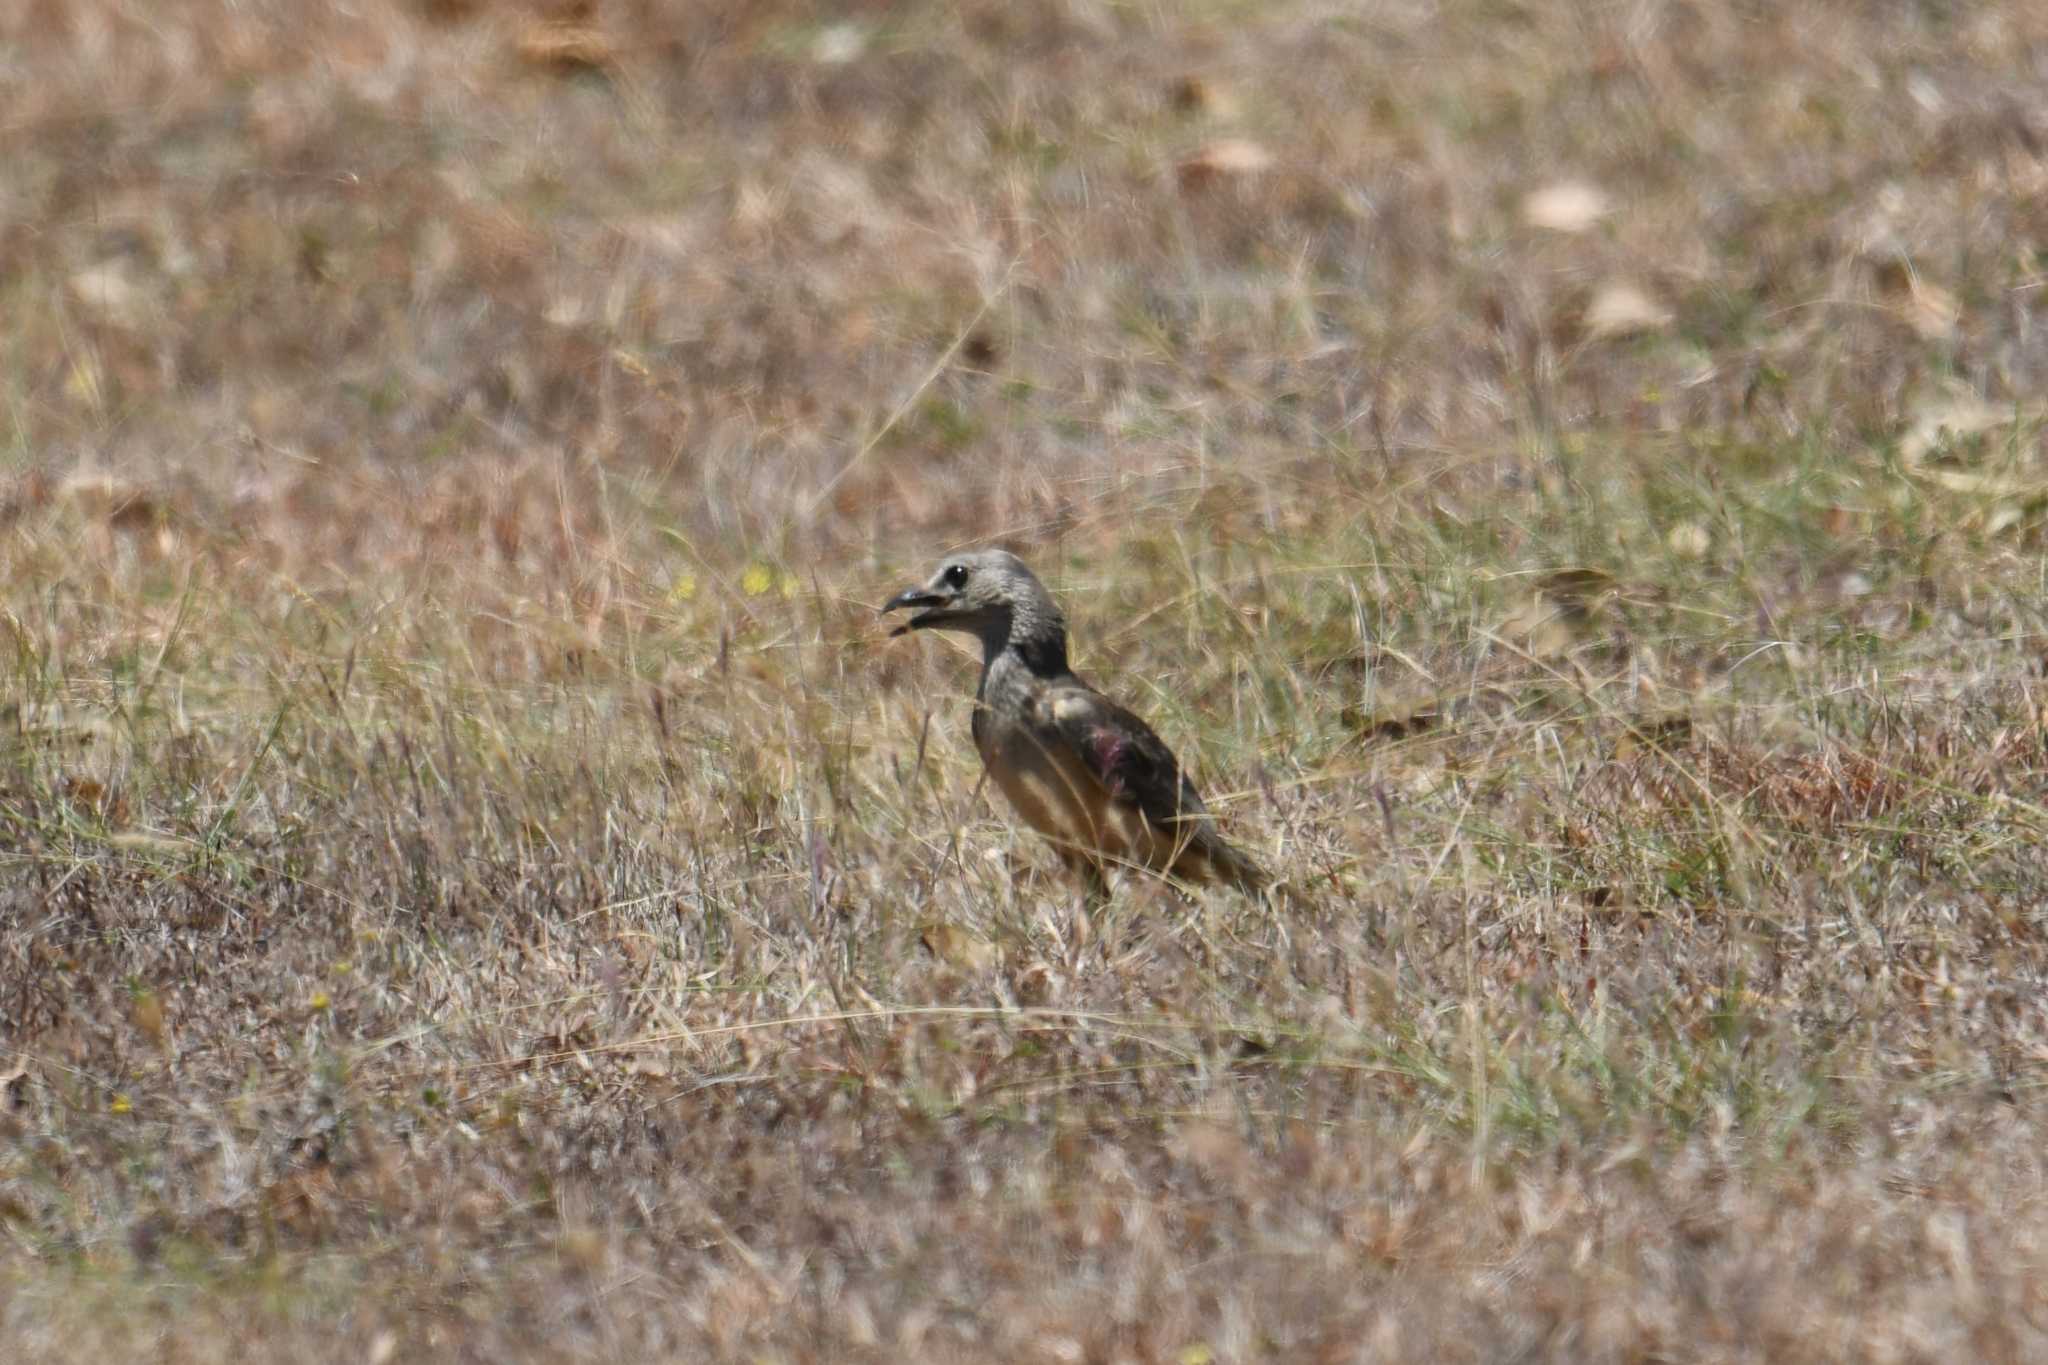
column 1039, row 651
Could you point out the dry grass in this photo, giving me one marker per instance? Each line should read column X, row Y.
column 478, row 884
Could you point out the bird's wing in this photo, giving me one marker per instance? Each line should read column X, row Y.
column 1121, row 752
column 1135, row 769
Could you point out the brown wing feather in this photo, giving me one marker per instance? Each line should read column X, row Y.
column 1137, row 769
column 1130, row 761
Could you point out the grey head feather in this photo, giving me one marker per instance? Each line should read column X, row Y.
column 994, row 596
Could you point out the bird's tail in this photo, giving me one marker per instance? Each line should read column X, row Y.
column 1232, row 866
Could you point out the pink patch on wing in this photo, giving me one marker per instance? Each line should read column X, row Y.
column 1109, row 748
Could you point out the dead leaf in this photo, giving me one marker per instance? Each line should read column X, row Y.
column 1038, row 984
column 1930, row 310
column 838, row 44
column 1952, row 416
column 1578, row 588
column 1563, row 604
column 159, row 845
column 1989, row 485
column 1689, row 540
column 1198, row 95
column 565, row 45
column 1840, row 522
column 1653, row 732
column 109, row 290
column 83, row 791
column 956, row 947
column 1225, row 158
column 1540, row 627
column 1568, row 206
column 123, row 503
column 148, row 1013
column 2004, row 517
column 1619, row 309
column 1395, row 717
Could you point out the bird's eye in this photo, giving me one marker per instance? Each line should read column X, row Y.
column 956, row 575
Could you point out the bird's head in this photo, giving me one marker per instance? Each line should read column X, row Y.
column 989, row 593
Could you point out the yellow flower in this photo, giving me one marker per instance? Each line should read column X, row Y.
column 683, row 589
column 758, row 578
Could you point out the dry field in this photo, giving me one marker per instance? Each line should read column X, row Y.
column 477, row 882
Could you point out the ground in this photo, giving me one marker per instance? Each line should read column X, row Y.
column 477, row 881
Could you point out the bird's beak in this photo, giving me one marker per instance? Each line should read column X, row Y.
column 923, row 598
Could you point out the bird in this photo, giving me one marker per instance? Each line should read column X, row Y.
column 1082, row 771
